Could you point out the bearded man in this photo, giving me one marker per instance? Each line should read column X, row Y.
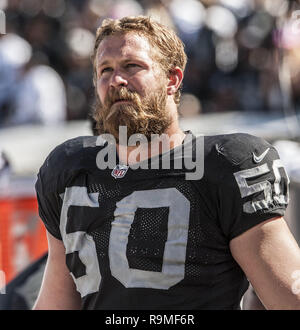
column 150, row 238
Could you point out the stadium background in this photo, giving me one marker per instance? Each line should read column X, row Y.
column 243, row 75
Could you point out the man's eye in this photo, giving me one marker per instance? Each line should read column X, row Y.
column 129, row 65
column 105, row 70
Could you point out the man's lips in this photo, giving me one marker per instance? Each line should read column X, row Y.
column 115, row 109
column 121, row 101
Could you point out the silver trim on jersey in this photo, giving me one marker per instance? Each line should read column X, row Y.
column 80, row 241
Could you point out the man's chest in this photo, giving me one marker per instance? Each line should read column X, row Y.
column 148, row 233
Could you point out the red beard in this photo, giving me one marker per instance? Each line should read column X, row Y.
column 145, row 116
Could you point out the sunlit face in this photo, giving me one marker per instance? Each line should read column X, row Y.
column 131, row 86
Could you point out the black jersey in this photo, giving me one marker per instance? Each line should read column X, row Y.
column 151, row 238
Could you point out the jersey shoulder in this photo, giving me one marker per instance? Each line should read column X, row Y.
column 238, row 151
column 68, row 159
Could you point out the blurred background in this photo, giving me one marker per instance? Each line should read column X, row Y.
column 243, row 75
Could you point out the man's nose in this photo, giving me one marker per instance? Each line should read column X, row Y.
column 118, row 79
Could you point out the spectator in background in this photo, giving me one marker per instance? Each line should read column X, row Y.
column 15, row 52
column 41, row 97
column 7, row 81
column 35, row 92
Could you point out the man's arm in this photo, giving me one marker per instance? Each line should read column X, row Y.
column 58, row 290
column 250, row 300
column 270, row 257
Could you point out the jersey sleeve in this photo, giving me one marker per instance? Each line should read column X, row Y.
column 49, row 186
column 49, row 207
column 253, row 186
column 63, row 165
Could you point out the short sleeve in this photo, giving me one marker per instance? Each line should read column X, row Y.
column 49, row 205
column 253, row 186
column 61, row 166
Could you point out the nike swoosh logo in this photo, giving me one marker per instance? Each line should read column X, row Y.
column 258, row 159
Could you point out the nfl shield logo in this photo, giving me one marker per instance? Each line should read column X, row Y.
column 119, row 171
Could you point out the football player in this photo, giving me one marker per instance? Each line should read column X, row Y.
column 136, row 237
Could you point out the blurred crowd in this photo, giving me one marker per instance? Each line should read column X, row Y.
column 243, row 55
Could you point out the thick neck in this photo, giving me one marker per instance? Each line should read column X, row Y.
column 171, row 138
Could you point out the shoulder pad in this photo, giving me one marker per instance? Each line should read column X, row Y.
column 238, row 148
column 68, row 159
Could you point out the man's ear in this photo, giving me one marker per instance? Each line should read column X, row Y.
column 174, row 80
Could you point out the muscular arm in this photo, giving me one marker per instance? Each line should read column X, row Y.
column 269, row 255
column 58, row 289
